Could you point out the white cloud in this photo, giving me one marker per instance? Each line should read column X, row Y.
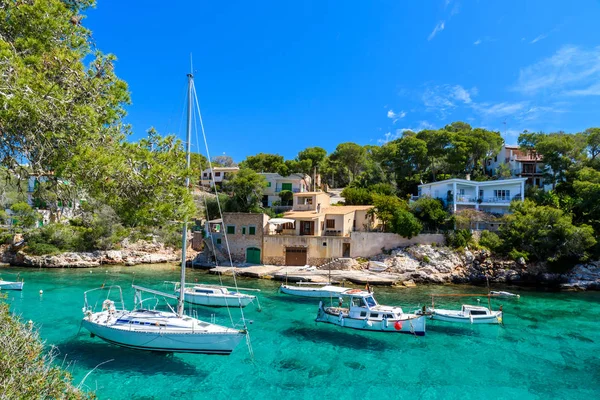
column 443, row 98
column 499, row 109
column 393, row 115
column 438, row 28
column 477, row 42
column 571, row 70
column 538, row 38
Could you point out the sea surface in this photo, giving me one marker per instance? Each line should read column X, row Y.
column 548, row 348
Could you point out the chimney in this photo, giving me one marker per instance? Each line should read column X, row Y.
column 468, row 177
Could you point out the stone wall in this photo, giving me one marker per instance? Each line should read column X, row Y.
column 320, row 249
column 239, row 241
column 369, row 244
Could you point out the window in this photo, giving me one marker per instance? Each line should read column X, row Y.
column 324, row 244
column 217, row 174
column 502, row 194
column 478, row 312
column 374, row 315
column 371, row 301
column 288, row 225
column 305, row 200
column 461, row 192
column 363, row 313
column 286, row 186
column 205, row 175
column 268, row 184
column 481, row 193
column 243, row 230
column 330, row 223
column 231, row 229
column 251, row 230
column 218, row 240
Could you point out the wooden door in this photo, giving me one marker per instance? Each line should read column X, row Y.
column 296, row 256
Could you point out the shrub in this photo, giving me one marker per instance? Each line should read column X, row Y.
column 27, row 371
column 41, row 249
column 515, row 255
column 459, row 238
column 490, row 241
column 356, row 196
column 426, row 259
column 405, row 224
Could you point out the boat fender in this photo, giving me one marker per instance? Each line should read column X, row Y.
column 341, row 319
column 471, row 319
column 398, row 325
column 385, row 322
column 368, row 323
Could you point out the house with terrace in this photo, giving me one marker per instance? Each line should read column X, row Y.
column 295, row 183
column 216, row 176
column 521, row 163
column 314, row 232
column 488, row 196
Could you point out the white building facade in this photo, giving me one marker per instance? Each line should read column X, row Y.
column 487, row 196
column 220, row 175
column 295, row 183
column 522, row 164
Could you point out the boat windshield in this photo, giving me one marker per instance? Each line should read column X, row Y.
column 371, row 301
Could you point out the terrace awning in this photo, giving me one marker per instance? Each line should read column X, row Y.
column 280, row 221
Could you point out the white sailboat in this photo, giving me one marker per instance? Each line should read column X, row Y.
column 468, row 314
column 313, row 290
column 148, row 329
column 364, row 313
column 215, row 295
column 7, row 285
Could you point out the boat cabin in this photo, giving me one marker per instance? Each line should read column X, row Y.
column 208, row 290
column 468, row 310
column 364, row 306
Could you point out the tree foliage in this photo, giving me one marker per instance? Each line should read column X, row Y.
column 545, row 233
column 246, row 190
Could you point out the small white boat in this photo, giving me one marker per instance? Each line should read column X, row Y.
column 146, row 329
column 364, row 313
column 6, row 285
column 467, row 315
column 376, row 266
column 506, row 295
column 313, row 290
column 216, row 296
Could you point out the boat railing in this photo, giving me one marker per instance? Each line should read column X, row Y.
column 87, row 306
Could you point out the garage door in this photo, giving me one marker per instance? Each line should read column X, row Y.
column 253, row 255
column 295, row 256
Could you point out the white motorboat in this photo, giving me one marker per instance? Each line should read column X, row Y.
column 505, row 295
column 364, row 313
column 216, row 296
column 313, row 290
column 6, row 285
column 149, row 329
column 146, row 329
column 467, row 315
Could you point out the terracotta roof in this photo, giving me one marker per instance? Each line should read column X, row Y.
column 303, row 214
column 309, row 193
column 341, row 210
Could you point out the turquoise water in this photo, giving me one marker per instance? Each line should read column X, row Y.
column 548, row 348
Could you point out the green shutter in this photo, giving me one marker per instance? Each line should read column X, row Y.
column 286, row 186
column 231, row 229
column 251, row 230
column 243, row 230
column 253, row 255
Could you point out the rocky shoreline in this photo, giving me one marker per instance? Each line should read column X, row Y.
column 406, row 266
column 141, row 252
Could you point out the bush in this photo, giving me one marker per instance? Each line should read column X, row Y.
column 515, row 255
column 27, row 371
column 431, row 213
column 490, row 241
column 41, row 249
column 405, row 224
column 356, row 196
column 426, row 259
column 459, row 238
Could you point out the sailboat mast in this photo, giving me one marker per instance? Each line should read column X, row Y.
column 181, row 302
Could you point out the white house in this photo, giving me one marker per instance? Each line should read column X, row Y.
column 522, row 164
column 488, row 196
column 295, row 183
column 220, row 173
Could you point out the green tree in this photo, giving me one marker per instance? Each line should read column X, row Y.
column 246, row 190
column 357, row 196
column 287, row 197
column 544, row 233
column 351, row 156
column 560, row 151
column 431, row 213
column 315, row 155
column 223, row 161
column 405, row 224
column 263, row 162
column 386, row 207
column 593, row 142
column 53, row 108
column 438, row 142
column 24, row 215
column 198, row 163
column 503, row 171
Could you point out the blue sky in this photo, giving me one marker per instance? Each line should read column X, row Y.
column 279, row 76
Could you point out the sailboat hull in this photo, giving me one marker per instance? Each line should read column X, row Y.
column 218, row 301
column 155, row 337
column 313, row 291
column 5, row 285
